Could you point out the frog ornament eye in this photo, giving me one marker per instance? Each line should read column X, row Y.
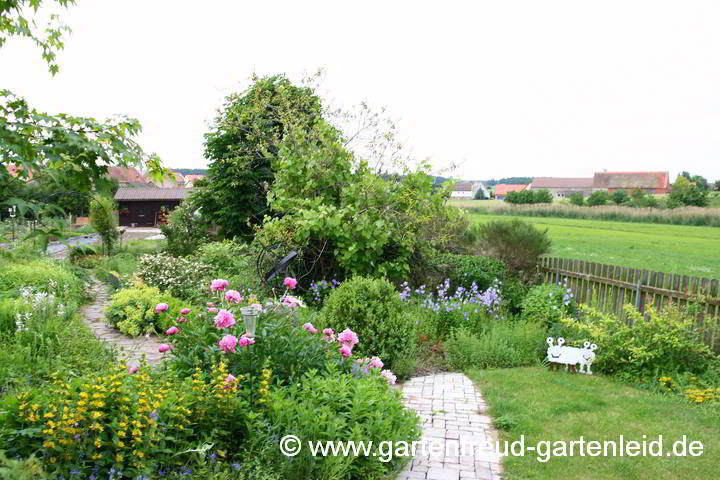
column 561, row 341
column 593, row 347
column 586, row 345
column 549, row 341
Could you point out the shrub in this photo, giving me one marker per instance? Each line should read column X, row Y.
column 76, row 253
column 132, row 310
column 501, row 344
column 529, row 196
column 643, row 345
column 340, row 407
column 181, row 277
column 45, row 275
column 619, row 197
column 548, row 303
column 137, row 424
column 373, row 309
column 466, row 270
column 518, row 244
column 600, row 197
column 185, row 231
column 225, row 256
column 577, row 199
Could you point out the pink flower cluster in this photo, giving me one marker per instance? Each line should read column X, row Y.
column 229, row 342
column 224, row 319
column 348, row 338
column 172, row 330
column 218, row 285
column 290, row 282
column 233, row 296
column 308, row 327
column 161, row 307
column 389, row 376
column 292, row 302
column 329, row 335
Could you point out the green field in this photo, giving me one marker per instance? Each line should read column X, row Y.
column 558, row 406
column 693, row 251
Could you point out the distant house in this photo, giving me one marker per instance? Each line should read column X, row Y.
column 563, row 187
column 502, row 189
column 16, row 171
column 169, row 183
column 192, row 178
column 128, row 177
column 649, row 182
column 468, row 190
column 142, row 207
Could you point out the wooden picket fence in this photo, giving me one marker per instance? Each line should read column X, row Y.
column 611, row 287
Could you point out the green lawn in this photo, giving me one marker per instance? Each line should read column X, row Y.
column 550, row 406
column 693, row 251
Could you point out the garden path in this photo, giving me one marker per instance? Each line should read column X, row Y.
column 132, row 349
column 453, row 417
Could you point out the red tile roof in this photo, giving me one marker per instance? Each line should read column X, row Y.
column 631, row 180
column 126, row 175
column 503, row 189
column 552, row 182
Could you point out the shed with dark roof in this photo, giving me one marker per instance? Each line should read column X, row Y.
column 147, row 207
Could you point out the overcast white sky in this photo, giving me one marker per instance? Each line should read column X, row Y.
column 506, row 87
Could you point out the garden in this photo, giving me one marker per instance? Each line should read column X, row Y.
column 295, row 290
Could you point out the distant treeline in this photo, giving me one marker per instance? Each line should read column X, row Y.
column 190, row 171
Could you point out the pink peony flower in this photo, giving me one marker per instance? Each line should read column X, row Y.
column 345, row 351
column 233, row 296
column 161, row 307
column 212, row 310
column 290, row 282
column 184, row 311
column 172, row 331
column 329, row 334
column 224, row 319
column 348, row 337
column 164, row 347
column 245, row 340
column 218, row 285
column 210, row 304
column 309, row 327
column 132, row 369
column 181, row 320
column 375, row 362
column 292, row 302
column 229, row 381
column 257, row 307
column 228, row 343
column 389, row 376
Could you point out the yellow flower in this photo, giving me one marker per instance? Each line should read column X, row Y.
column 121, row 434
column 95, row 415
column 49, row 415
column 118, row 458
column 96, row 456
column 48, row 444
column 139, row 454
column 120, row 444
column 98, row 443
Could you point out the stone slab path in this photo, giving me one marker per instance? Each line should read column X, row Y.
column 131, row 349
column 455, row 430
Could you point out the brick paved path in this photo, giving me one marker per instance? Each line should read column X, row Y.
column 453, row 413
column 131, row 349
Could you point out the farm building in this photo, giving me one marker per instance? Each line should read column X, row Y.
column 502, row 189
column 649, row 182
column 144, row 207
column 192, row 178
column 563, row 187
column 468, row 190
column 128, row 177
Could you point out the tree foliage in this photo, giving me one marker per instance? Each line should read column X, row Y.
column 577, row 199
column 247, row 135
column 685, row 193
column 102, row 219
column 14, row 22
column 597, row 198
column 529, row 196
column 619, row 197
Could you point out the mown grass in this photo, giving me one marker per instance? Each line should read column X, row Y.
column 686, row 250
column 551, row 406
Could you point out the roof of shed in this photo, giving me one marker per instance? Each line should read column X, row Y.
column 152, row 193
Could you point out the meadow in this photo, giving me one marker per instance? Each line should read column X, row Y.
column 686, row 250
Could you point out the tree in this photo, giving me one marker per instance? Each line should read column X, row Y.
column 599, row 197
column 577, row 199
column 542, row 196
column 246, row 137
column 684, row 193
column 13, row 22
column 618, row 197
column 102, row 219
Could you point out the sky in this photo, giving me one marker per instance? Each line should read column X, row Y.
column 500, row 88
